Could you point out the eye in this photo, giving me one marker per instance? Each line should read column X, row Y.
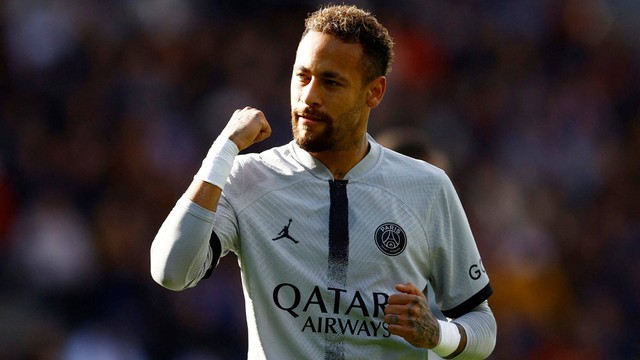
column 302, row 77
column 332, row 83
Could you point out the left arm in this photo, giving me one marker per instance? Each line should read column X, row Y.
column 409, row 316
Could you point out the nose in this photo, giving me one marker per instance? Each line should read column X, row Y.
column 310, row 93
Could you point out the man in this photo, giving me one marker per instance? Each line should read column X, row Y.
column 372, row 228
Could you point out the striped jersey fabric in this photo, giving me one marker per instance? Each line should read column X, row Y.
column 319, row 257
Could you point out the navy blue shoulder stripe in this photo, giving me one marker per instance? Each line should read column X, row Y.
column 216, row 248
column 470, row 303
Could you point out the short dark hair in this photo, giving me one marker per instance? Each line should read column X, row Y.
column 353, row 25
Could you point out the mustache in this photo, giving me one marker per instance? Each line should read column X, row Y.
column 311, row 114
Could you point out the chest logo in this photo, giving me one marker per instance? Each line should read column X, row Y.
column 284, row 233
column 390, row 239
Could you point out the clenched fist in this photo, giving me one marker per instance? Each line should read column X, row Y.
column 246, row 127
column 409, row 316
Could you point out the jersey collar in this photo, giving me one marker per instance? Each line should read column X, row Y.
column 317, row 168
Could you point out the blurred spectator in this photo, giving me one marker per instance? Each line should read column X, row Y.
column 414, row 143
column 52, row 248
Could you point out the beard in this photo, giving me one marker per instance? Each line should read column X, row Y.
column 337, row 134
column 314, row 141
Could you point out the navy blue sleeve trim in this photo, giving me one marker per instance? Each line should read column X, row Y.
column 216, row 249
column 470, row 303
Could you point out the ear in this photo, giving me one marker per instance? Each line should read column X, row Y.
column 375, row 91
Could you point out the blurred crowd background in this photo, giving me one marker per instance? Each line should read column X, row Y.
column 108, row 107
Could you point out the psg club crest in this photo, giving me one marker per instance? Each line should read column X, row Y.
column 390, row 239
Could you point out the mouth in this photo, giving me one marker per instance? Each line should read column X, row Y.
column 309, row 119
column 306, row 121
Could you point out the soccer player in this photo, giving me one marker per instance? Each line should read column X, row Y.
column 362, row 229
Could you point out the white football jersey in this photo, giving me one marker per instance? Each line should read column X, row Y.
column 318, row 291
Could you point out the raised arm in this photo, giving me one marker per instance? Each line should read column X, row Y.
column 180, row 252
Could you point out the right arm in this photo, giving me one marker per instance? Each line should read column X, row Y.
column 180, row 252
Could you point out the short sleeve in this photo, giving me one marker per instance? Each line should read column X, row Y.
column 225, row 227
column 459, row 279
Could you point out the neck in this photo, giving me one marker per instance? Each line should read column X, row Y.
column 339, row 162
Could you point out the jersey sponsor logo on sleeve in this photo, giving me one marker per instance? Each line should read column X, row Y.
column 476, row 270
column 390, row 239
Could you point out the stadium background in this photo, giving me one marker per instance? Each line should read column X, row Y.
column 108, row 107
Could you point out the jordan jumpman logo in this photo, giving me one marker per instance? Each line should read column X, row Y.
column 284, row 233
